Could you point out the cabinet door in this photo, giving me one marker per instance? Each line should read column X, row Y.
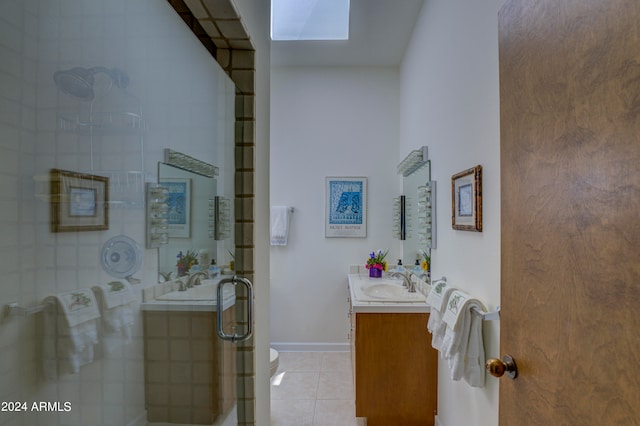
column 396, row 369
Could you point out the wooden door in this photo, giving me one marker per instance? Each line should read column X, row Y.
column 570, row 165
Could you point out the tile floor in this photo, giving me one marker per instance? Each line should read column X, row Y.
column 313, row 389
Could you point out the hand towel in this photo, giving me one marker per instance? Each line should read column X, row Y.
column 115, row 300
column 70, row 332
column 437, row 300
column 280, row 225
column 474, row 369
column 462, row 345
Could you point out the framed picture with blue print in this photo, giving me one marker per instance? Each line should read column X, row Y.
column 179, row 204
column 346, row 207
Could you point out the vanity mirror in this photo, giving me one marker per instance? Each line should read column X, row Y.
column 191, row 218
column 418, row 207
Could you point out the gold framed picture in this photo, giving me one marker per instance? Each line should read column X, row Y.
column 79, row 201
column 466, row 200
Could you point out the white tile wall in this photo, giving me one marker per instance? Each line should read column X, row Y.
column 171, row 75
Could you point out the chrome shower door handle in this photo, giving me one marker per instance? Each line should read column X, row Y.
column 219, row 302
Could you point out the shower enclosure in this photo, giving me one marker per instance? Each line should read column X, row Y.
column 97, row 89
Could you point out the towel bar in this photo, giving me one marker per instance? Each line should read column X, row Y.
column 489, row 316
column 15, row 310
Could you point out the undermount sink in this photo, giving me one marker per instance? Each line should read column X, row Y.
column 389, row 290
column 384, row 291
column 207, row 291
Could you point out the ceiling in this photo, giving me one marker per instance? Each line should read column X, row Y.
column 378, row 35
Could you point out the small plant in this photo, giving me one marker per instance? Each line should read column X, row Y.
column 377, row 260
column 186, row 261
column 426, row 261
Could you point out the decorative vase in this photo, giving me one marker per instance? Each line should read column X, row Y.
column 375, row 273
column 182, row 271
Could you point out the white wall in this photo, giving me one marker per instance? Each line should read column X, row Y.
column 449, row 100
column 327, row 122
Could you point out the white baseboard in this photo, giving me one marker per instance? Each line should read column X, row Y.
column 310, row 347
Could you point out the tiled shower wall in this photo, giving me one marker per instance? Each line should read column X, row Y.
column 171, row 79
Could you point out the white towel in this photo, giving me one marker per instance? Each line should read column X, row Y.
column 70, row 332
column 437, row 300
column 116, row 300
column 280, row 225
column 463, row 346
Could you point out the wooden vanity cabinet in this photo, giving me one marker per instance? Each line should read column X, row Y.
column 395, row 368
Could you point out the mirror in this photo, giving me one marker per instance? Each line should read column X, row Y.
column 418, row 233
column 191, row 228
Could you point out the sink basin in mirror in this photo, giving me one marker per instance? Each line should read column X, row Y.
column 207, row 291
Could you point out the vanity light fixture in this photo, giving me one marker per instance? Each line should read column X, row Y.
column 189, row 163
column 413, row 161
column 222, row 217
column 157, row 209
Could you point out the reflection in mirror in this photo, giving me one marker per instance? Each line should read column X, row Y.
column 190, row 216
column 418, row 232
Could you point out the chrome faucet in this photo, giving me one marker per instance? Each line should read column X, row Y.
column 407, row 282
column 195, row 278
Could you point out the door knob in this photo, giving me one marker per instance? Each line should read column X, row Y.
column 497, row 368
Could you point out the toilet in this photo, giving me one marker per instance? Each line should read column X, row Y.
column 274, row 361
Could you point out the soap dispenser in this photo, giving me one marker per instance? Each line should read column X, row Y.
column 399, row 267
column 417, row 269
column 214, row 271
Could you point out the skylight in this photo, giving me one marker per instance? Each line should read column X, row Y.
column 310, row 19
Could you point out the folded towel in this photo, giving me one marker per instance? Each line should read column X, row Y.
column 70, row 332
column 462, row 345
column 280, row 225
column 116, row 303
column 437, row 300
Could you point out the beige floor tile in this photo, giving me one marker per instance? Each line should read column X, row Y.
column 335, row 385
column 314, row 389
column 300, row 361
column 335, row 413
column 292, row 413
column 336, row 361
column 296, row 385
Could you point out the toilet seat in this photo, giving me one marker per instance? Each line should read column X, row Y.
column 274, row 361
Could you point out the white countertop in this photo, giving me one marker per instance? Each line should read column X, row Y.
column 361, row 306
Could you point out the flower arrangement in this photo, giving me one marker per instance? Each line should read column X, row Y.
column 377, row 260
column 186, row 261
column 426, row 261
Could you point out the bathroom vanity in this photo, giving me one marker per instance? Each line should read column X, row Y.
column 189, row 371
column 395, row 367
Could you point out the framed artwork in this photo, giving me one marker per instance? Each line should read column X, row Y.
column 179, row 203
column 466, row 200
column 346, row 207
column 79, row 202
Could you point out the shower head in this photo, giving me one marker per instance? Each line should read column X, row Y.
column 76, row 82
column 79, row 81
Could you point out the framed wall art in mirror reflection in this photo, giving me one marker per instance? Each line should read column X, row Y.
column 79, row 201
column 346, row 207
column 179, row 202
column 466, row 200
